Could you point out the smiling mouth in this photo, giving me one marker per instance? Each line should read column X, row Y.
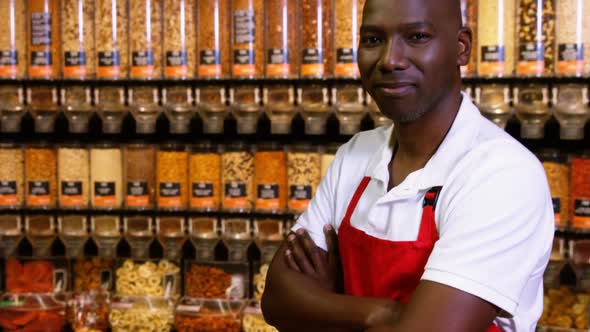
column 396, row 90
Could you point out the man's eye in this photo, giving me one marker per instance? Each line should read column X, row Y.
column 371, row 40
column 419, row 36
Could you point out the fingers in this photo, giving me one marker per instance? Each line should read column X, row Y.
column 333, row 249
column 291, row 261
column 299, row 255
column 313, row 252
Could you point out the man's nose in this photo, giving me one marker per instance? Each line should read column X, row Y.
column 393, row 57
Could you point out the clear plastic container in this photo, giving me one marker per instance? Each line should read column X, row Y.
column 137, row 313
column 348, row 22
column 580, row 194
column 237, row 178
column 178, row 104
column 10, row 233
column 42, row 102
column 12, row 108
column 279, row 101
column 40, row 231
column 12, row 176
column 197, row 314
column 570, row 108
column 236, row 233
column 41, row 177
column 77, row 105
column 205, row 177
column 13, row 39
column 106, row 233
column 248, row 38
column 282, row 52
column 532, row 109
column 494, row 103
column 270, row 162
column 112, row 42
column 211, row 104
column 73, row 171
column 73, row 232
column 77, row 39
column 110, row 105
column 153, row 278
column 172, row 177
column 89, row 311
column 179, row 39
column 213, row 49
column 140, row 176
column 170, row 231
column 572, row 38
column 144, row 102
column 204, row 234
column 469, row 19
column 349, row 106
column 268, row 235
column 246, row 107
column 303, row 176
column 536, row 37
column 558, row 176
column 44, row 39
column 145, row 39
column 106, row 189
column 139, row 233
column 316, row 39
column 217, row 280
column 315, row 108
column 93, row 276
column 496, row 21
column 33, row 312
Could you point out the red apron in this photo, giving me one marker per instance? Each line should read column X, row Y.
column 379, row 268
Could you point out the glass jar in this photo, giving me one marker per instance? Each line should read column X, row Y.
column 205, row 177
column 572, row 36
column 213, row 39
column 279, row 101
column 44, row 39
column 43, row 105
column 315, row 108
column 12, row 107
column 33, row 312
column 106, row 182
column 496, row 21
column 349, row 106
column 268, row 234
column 379, row 119
column 204, row 235
column 73, row 232
column 212, row 108
column 316, row 39
column 77, row 39
column 303, row 176
column 236, row 233
column 346, row 36
column 536, row 37
column 172, row 177
column 282, row 53
column 77, row 105
column 237, row 178
column 178, row 103
column 141, row 314
column 270, row 162
column 532, row 109
column 469, row 19
column 494, row 103
column 139, row 233
column 161, row 275
column 140, row 176
column 110, row 105
column 179, row 39
column 558, row 176
column 73, row 171
column 246, row 108
column 248, row 38
column 145, row 39
column 89, row 311
column 171, row 235
column 106, row 233
column 10, row 233
column 40, row 231
column 144, row 102
column 197, row 314
column 93, row 275
column 41, row 177
column 12, row 176
column 581, row 191
column 13, row 39
column 112, row 42
column 570, row 108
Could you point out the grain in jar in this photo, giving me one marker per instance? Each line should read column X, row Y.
column 581, row 191
column 41, row 177
column 12, row 172
column 140, row 176
column 346, row 35
column 248, row 38
column 145, row 39
column 282, row 53
column 572, row 36
column 536, row 37
column 205, row 177
column 44, row 39
column 13, row 39
column 172, row 177
column 469, row 19
column 303, row 175
column 558, row 176
column 495, row 37
column 106, row 177
column 316, row 38
column 237, row 178
column 112, row 39
column 179, row 39
column 77, row 38
column 213, row 46
column 73, row 170
column 271, row 178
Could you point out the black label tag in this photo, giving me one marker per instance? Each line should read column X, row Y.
column 137, row 188
column 532, row 52
column 210, row 57
column 571, row 52
column 278, row 56
column 40, row 29
column 38, row 188
column 301, row 193
column 7, row 188
column 8, row 58
column 234, row 190
column 346, row 55
column 144, row 58
column 312, row 55
column 582, row 207
column 244, row 23
column 176, row 58
column 556, row 205
column 493, row 53
column 41, row 59
column 268, row 191
column 109, row 59
column 75, row 59
column 71, row 188
column 169, row 189
column 201, row 190
column 104, row 188
column 244, row 57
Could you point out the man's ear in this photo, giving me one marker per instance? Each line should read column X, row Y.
column 465, row 43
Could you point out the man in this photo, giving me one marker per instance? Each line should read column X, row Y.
column 444, row 224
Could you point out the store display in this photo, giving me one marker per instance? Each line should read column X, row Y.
column 493, row 101
column 112, row 40
column 42, row 103
column 572, row 37
column 236, row 235
column 303, row 174
column 349, row 106
column 105, row 231
column 531, row 103
column 32, row 312
column 246, row 108
column 268, row 236
column 207, row 281
column 12, row 107
column 77, row 39
column 316, row 39
column 139, row 233
column 150, row 314
column 558, row 176
column 88, row 311
column 145, row 39
column 247, row 38
column 44, row 40
column 13, row 39
column 469, row 19
column 12, row 173
column 203, row 232
column 147, row 279
column 213, row 50
column 144, row 102
column 93, row 274
column 279, row 101
column 110, row 106
column 208, row 315
column 106, row 187
column 10, row 233
column 570, row 108
column 496, row 21
column 178, row 105
column 536, row 37
column 282, row 52
column 564, row 308
column 140, row 176
column 581, row 191
column 77, row 106
column 73, row 233
column 270, row 178
column 212, row 109
column 33, row 276
column 40, row 231
column 41, row 177
column 237, row 178
column 315, row 108
column 172, row 177
column 179, row 39
column 73, row 169
column 205, row 177
column 346, row 34
column 171, row 235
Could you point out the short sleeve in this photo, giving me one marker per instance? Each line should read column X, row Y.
column 496, row 231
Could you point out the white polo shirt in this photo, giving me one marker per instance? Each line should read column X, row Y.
column 494, row 214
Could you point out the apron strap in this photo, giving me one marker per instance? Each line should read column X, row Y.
column 355, row 199
column 428, row 230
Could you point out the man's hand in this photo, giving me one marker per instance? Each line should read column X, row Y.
column 305, row 257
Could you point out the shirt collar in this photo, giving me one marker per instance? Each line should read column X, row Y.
column 455, row 144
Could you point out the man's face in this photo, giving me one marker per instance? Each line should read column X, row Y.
column 409, row 54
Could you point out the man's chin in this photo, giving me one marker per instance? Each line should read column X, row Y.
column 402, row 114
